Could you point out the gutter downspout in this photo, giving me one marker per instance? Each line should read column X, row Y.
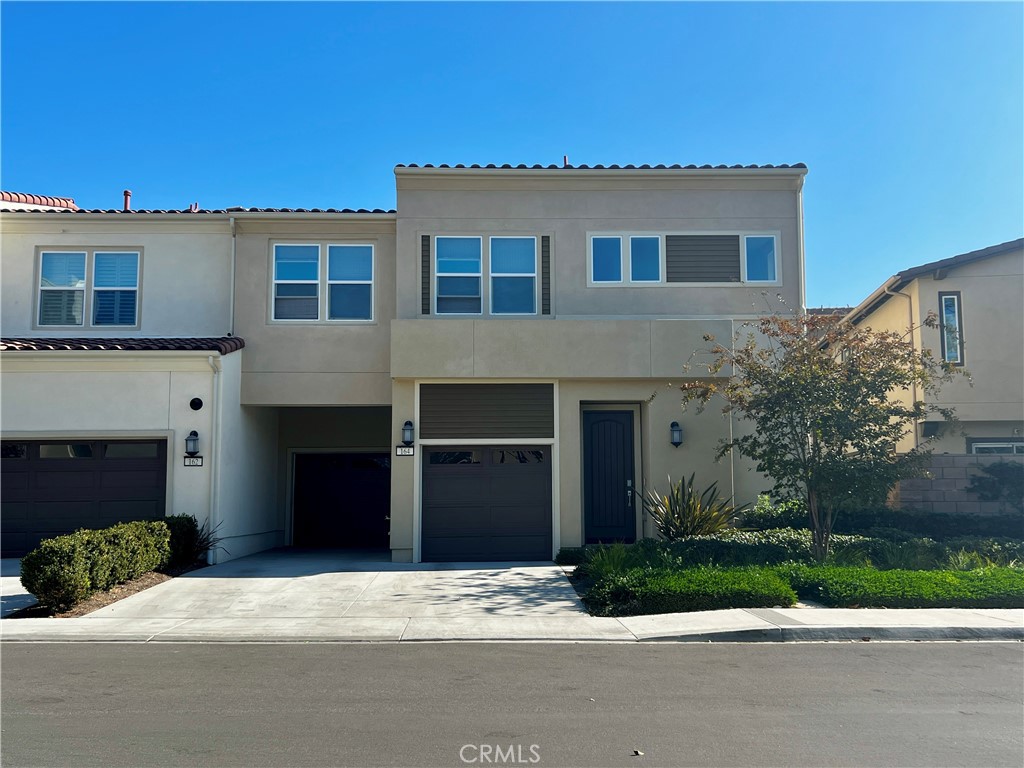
column 214, row 521
column 231, row 289
column 910, row 328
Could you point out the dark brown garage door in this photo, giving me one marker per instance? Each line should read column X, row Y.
column 487, row 503
column 57, row 486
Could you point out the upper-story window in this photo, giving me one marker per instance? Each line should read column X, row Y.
column 309, row 286
column 508, row 262
column 101, row 285
column 952, row 327
column 648, row 258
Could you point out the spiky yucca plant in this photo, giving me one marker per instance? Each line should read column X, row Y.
column 685, row 511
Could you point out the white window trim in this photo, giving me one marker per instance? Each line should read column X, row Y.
column 328, row 283
column 438, row 275
column 522, row 275
column 1011, row 444
column 322, row 283
column 958, row 342
column 274, row 282
column 743, row 258
column 625, row 266
column 591, row 280
column 95, row 290
column 88, row 289
column 661, row 259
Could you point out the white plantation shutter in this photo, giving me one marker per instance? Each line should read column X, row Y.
column 115, row 271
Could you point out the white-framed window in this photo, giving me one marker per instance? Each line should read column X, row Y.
column 645, row 258
column 951, row 328
column 513, row 268
column 115, row 288
column 99, row 284
column 296, row 281
column 760, row 264
column 997, row 448
column 458, row 275
column 639, row 259
column 331, row 282
column 349, row 282
column 606, row 259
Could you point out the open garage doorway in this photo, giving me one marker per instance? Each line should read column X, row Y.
column 341, row 500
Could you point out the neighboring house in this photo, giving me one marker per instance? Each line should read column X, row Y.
column 19, row 201
column 977, row 298
column 518, row 327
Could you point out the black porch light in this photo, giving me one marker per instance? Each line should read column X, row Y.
column 408, row 435
column 675, row 434
column 192, row 443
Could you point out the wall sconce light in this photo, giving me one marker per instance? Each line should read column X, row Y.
column 408, row 435
column 675, row 434
column 192, row 443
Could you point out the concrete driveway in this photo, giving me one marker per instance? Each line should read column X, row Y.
column 12, row 595
column 290, row 594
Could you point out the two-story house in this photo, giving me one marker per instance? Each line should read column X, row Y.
column 483, row 374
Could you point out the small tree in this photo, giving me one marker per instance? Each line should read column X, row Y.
column 820, row 393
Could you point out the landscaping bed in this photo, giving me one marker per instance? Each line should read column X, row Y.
column 933, row 566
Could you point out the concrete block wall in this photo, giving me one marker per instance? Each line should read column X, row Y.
column 944, row 490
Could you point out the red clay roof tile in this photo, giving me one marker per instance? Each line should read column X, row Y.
column 225, row 345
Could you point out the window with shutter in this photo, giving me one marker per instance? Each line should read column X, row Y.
column 115, row 288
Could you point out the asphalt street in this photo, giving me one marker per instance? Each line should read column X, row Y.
column 457, row 704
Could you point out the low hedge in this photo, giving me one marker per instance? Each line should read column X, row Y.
column 646, row 591
column 868, row 521
column 65, row 570
column 993, row 587
column 185, row 548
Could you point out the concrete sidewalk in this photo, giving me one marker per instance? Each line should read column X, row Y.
column 325, row 596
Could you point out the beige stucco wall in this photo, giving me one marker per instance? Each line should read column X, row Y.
column 404, row 474
column 501, row 348
column 991, row 402
column 99, row 395
column 184, row 277
column 246, row 463
column 315, row 362
column 567, row 206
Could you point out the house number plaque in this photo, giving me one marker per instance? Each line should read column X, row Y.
column 405, row 450
column 193, row 461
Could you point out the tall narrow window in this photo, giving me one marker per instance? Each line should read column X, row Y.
column 296, row 282
column 760, row 259
column 645, row 259
column 350, row 282
column 115, row 285
column 606, row 259
column 459, row 275
column 61, row 288
column 513, row 275
column 952, row 328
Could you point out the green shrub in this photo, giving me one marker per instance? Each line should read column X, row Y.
column 647, row 591
column 868, row 587
column 190, row 541
column 995, row 551
column 883, row 522
column 686, row 511
column 570, row 556
column 734, row 547
column 65, row 570
column 57, row 571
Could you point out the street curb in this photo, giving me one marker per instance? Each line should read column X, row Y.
column 792, row 634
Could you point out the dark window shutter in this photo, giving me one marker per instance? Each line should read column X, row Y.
column 425, row 274
column 486, row 410
column 545, row 275
column 703, row 258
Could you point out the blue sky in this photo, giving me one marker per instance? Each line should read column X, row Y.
column 910, row 116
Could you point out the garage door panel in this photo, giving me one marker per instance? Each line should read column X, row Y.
column 499, row 509
column 131, row 479
column 60, row 481
column 46, row 497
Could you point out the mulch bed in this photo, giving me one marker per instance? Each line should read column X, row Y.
column 102, row 599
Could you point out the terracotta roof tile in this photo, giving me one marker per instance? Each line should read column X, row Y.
column 47, row 200
column 190, row 212
column 523, row 166
column 225, row 345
